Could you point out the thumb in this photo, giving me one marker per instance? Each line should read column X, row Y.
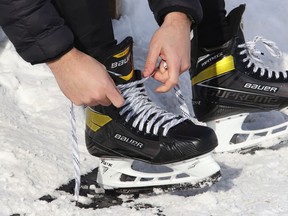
column 115, row 97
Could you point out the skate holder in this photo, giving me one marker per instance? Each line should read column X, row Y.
column 115, row 173
column 231, row 136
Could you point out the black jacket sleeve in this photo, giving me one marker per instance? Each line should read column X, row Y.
column 161, row 7
column 36, row 29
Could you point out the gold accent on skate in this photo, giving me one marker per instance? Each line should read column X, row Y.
column 123, row 53
column 221, row 67
column 128, row 76
column 95, row 120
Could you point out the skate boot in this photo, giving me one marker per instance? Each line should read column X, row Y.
column 141, row 132
column 229, row 82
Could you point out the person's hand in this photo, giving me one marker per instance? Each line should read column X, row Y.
column 171, row 42
column 84, row 80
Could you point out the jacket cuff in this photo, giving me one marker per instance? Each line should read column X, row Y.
column 192, row 8
column 162, row 13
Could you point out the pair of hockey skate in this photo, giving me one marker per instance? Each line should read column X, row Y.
column 228, row 83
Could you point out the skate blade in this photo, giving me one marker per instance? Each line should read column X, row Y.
column 118, row 174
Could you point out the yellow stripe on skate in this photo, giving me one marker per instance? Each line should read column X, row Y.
column 95, row 120
column 128, row 76
column 123, row 53
column 223, row 66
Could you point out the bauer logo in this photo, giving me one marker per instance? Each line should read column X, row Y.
column 258, row 87
column 121, row 62
column 129, row 141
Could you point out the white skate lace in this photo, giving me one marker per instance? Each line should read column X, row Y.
column 145, row 112
column 75, row 154
column 249, row 49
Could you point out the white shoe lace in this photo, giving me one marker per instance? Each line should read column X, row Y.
column 145, row 112
column 249, row 49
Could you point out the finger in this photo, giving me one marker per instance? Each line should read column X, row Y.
column 105, row 102
column 115, row 97
column 161, row 77
column 173, row 79
column 76, row 101
column 95, row 102
column 167, row 86
column 161, row 74
column 151, row 61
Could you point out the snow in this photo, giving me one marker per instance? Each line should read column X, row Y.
column 35, row 145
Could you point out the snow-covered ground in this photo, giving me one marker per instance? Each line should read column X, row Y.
column 35, row 146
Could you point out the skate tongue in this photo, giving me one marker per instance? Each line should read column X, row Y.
column 119, row 62
column 234, row 19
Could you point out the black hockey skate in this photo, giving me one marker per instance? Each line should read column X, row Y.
column 229, row 82
column 143, row 132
